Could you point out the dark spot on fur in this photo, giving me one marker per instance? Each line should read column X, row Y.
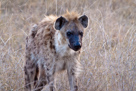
column 76, row 88
column 35, row 79
column 33, row 35
column 26, row 86
column 32, row 72
column 25, row 70
column 72, row 71
column 37, row 70
column 48, row 69
column 32, row 65
column 51, row 46
column 36, row 76
column 64, row 66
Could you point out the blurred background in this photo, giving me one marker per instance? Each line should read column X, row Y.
column 109, row 51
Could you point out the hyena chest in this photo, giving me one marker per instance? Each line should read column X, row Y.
column 60, row 65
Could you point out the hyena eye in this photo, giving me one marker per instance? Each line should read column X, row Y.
column 81, row 33
column 69, row 33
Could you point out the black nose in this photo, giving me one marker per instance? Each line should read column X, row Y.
column 77, row 46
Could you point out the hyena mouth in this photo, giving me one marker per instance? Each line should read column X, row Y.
column 74, row 48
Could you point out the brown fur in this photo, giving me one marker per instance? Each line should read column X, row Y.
column 44, row 57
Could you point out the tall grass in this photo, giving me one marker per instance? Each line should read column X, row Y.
column 109, row 49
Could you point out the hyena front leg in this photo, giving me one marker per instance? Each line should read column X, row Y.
column 72, row 78
column 50, row 75
column 27, row 80
column 42, row 81
column 50, row 79
column 30, row 77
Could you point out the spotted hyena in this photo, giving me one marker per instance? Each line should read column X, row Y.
column 54, row 45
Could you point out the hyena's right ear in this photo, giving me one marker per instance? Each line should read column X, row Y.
column 83, row 20
column 60, row 22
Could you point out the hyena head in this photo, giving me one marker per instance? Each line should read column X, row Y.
column 72, row 29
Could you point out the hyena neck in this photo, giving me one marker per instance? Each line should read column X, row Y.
column 61, row 45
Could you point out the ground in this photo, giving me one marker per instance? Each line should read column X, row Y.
column 109, row 52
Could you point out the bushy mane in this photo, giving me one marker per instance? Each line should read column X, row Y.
column 50, row 18
column 71, row 15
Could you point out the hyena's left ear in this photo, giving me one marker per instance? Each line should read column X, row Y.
column 83, row 20
column 60, row 22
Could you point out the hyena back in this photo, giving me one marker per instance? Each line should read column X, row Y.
column 54, row 45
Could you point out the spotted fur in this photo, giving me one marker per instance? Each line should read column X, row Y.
column 47, row 52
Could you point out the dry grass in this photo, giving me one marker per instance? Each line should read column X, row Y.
column 109, row 53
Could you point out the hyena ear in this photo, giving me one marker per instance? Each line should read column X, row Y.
column 83, row 20
column 60, row 22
